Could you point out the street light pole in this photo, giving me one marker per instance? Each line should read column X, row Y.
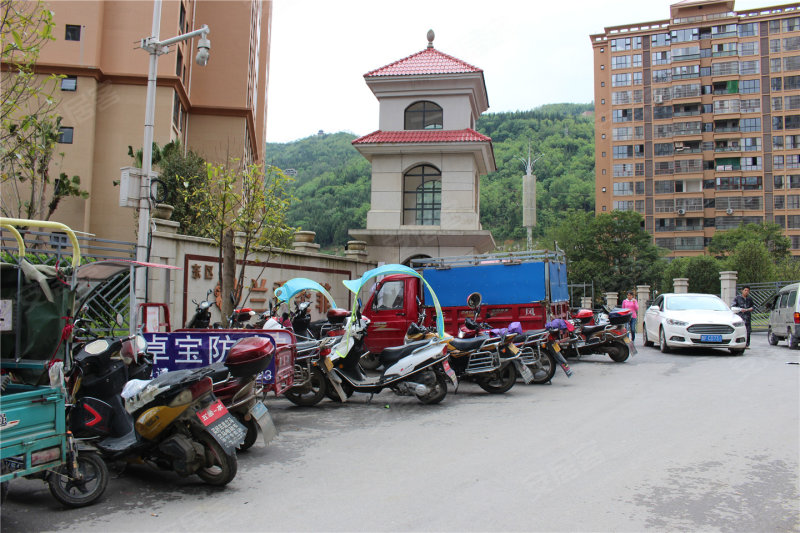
column 155, row 48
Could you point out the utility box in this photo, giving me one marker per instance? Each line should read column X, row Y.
column 130, row 183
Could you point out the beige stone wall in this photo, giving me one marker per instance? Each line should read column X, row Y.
column 197, row 258
column 456, row 111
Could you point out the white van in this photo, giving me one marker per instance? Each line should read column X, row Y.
column 784, row 316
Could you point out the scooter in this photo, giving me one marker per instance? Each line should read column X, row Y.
column 235, row 383
column 419, row 369
column 491, row 361
column 602, row 333
column 173, row 421
column 202, row 314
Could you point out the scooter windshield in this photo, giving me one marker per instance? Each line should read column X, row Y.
column 286, row 292
column 355, row 285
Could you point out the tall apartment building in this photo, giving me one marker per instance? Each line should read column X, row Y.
column 697, row 123
column 218, row 110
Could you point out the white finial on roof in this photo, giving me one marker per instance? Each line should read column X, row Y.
column 431, row 35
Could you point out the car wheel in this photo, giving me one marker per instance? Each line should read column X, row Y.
column 771, row 338
column 794, row 342
column 662, row 341
column 647, row 342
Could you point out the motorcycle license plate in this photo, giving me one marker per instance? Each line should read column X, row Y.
column 513, row 348
column 225, row 429
column 260, row 413
column 450, row 373
column 525, row 372
column 710, row 338
column 556, row 347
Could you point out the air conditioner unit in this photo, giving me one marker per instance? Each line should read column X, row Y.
column 657, row 98
column 678, row 144
column 729, row 211
column 681, row 211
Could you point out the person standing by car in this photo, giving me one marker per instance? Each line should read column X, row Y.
column 745, row 303
column 631, row 303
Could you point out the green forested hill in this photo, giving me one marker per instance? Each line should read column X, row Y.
column 333, row 180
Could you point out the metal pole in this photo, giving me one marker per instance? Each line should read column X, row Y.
column 147, row 162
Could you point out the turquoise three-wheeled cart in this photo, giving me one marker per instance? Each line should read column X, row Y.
column 35, row 303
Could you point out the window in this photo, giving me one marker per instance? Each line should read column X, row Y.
column 752, row 183
column 620, row 80
column 624, row 170
column 748, row 30
column 792, row 122
column 662, row 76
column 662, row 168
column 792, row 201
column 751, row 144
column 684, row 91
column 791, row 102
column 622, row 134
column 749, row 67
column 749, row 86
column 663, row 149
column 623, row 152
column 778, row 202
column 774, row 26
column 726, row 30
column 70, row 83
column 680, row 36
column 663, row 187
column 777, row 103
column 618, row 45
column 423, row 116
column 73, row 32
column 179, row 61
column 621, row 115
column 778, row 181
column 793, row 161
column 751, row 163
column 640, row 187
column 791, row 63
column 637, row 60
column 750, row 124
column 177, row 111
column 774, row 46
column 422, row 196
column 777, row 142
column 665, row 206
column 390, row 295
column 748, row 48
column 65, row 135
column 660, row 58
column 623, row 188
column 791, row 83
column 792, row 24
column 686, row 54
column 792, row 142
column 752, row 105
column 663, row 111
column 660, row 39
column 623, row 205
column 620, row 62
column 729, row 68
column 637, row 78
column 775, row 64
column 793, row 181
column 777, row 162
column 777, row 123
column 790, row 44
column 685, row 72
column 621, row 97
column 776, row 84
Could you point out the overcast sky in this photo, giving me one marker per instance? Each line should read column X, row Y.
column 532, row 52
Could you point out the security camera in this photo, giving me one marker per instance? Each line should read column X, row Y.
column 203, row 46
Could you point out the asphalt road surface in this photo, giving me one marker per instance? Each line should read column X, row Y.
column 699, row 441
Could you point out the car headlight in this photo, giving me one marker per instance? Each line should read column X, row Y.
column 738, row 323
column 673, row 322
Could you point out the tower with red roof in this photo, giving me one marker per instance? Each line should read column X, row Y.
column 426, row 159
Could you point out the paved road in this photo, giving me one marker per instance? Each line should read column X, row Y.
column 667, row 442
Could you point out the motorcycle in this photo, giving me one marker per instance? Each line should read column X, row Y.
column 602, row 333
column 173, row 421
column 419, row 369
column 236, row 385
column 202, row 314
column 491, row 361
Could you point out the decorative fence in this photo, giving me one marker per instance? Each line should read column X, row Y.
column 761, row 293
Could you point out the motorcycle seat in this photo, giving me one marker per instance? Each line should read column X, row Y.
column 524, row 336
column 467, row 345
column 390, row 356
column 217, row 372
column 588, row 330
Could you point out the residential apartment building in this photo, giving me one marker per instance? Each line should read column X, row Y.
column 697, row 123
column 218, row 110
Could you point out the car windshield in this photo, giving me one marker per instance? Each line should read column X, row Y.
column 686, row 303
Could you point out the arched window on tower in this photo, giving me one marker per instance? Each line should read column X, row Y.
column 423, row 116
column 422, row 196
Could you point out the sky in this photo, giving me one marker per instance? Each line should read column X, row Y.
column 532, row 52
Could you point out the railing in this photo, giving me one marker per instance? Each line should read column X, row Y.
column 56, row 246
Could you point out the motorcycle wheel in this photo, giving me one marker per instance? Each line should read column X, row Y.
column 619, row 352
column 546, row 365
column 73, row 493
column 219, row 468
column 370, row 361
column 3, row 491
column 330, row 392
column 311, row 393
column 501, row 381
column 438, row 392
column 252, row 433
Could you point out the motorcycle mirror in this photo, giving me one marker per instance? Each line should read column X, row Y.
column 119, row 319
column 474, row 300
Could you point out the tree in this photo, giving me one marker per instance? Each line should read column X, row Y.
column 29, row 126
column 250, row 200
column 723, row 243
column 753, row 261
column 612, row 249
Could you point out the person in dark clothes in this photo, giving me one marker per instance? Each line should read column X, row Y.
column 745, row 303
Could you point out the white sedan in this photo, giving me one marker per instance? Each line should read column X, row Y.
column 693, row 320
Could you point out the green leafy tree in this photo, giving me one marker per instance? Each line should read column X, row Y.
column 675, row 268
column 612, row 249
column 753, row 262
column 250, row 200
column 724, row 243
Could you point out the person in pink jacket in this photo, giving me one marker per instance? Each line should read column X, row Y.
column 631, row 303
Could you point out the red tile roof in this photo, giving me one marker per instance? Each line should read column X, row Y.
column 428, row 61
column 423, row 136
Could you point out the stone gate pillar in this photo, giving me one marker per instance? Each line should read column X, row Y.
column 642, row 296
column 727, row 282
column 612, row 299
column 681, row 285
